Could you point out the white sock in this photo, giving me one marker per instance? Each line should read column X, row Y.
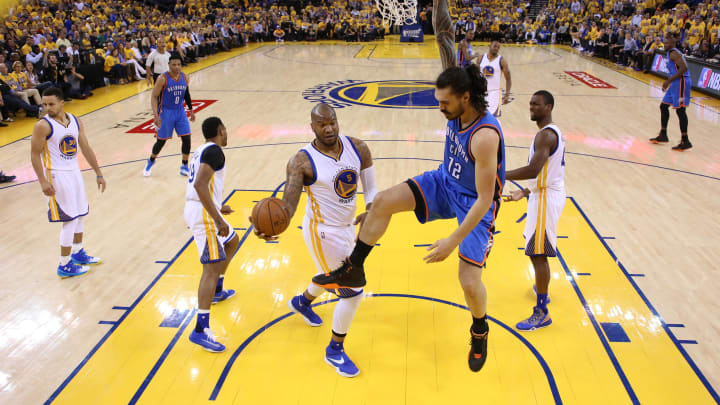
column 64, row 260
column 76, row 247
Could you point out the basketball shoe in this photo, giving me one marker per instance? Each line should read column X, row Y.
column 83, row 258
column 340, row 362
column 346, row 276
column 683, row 145
column 148, row 168
column 539, row 319
column 222, row 296
column 478, row 350
column 311, row 318
column 661, row 138
column 184, row 171
column 71, row 270
column 206, row 340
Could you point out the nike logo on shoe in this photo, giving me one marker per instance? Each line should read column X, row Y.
column 338, row 362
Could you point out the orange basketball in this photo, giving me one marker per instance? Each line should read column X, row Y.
column 271, row 216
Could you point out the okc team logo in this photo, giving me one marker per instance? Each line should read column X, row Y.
column 412, row 94
column 346, row 183
column 488, row 71
column 68, row 146
column 705, row 76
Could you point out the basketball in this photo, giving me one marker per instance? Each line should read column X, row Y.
column 271, row 216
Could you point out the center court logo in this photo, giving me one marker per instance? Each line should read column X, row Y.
column 346, row 184
column 410, row 94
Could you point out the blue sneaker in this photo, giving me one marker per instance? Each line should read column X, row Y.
column 535, row 291
column 223, row 295
column 341, row 362
column 83, row 258
column 206, row 339
column 71, row 270
column 539, row 319
column 184, row 171
column 148, row 168
column 310, row 317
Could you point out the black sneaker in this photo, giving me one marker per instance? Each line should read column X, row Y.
column 478, row 350
column 6, row 179
column 683, row 145
column 347, row 276
column 662, row 138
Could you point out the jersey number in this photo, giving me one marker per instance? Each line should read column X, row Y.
column 192, row 173
column 177, row 100
column 454, row 168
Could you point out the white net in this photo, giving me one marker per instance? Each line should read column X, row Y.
column 397, row 12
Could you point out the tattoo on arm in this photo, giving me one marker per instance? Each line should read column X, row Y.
column 298, row 169
column 444, row 33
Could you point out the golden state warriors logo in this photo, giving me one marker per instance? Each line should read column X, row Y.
column 488, row 71
column 346, row 184
column 68, row 146
column 411, row 94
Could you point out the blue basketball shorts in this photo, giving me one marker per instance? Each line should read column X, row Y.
column 173, row 119
column 678, row 94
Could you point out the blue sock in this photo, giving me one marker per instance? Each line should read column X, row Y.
column 337, row 346
column 304, row 301
column 203, row 321
column 219, row 286
column 542, row 302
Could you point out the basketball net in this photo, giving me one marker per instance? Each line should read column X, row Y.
column 397, row 12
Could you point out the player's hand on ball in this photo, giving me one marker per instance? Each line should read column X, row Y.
column 223, row 228
column 225, row 210
column 516, row 195
column 262, row 235
column 440, row 250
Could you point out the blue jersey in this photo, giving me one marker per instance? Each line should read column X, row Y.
column 459, row 164
column 173, row 95
column 462, row 62
column 673, row 68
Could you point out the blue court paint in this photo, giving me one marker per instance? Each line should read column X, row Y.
column 548, row 373
column 299, row 227
column 675, row 325
column 162, row 261
column 107, row 322
column 496, row 232
column 524, row 215
column 240, row 229
column 636, row 275
column 161, row 360
column 562, row 237
column 423, row 245
column 271, row 241
column 608, row 237
column 122, row 308
column 652, row 309
column 615, row 332
column 521, row 248
column 688, row 342
column 174, row 319
column 583, row 274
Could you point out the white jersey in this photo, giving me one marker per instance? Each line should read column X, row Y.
column 552, row 175
column 332, row 192
column 61, row 145
column 492, row 70
column 217, row 181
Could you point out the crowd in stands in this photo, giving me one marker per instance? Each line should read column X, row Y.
column 623, row 31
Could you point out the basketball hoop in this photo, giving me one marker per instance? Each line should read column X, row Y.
column 397, row 12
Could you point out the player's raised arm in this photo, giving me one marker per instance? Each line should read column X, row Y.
column 299, row 172
column 444, row 33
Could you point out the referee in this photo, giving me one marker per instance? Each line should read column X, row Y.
column 159, row 59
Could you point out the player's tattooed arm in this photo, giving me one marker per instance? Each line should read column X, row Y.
column 299, row 171
column 444, row 33
column 364, row 152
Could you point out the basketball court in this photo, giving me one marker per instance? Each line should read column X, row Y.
column 632, row 291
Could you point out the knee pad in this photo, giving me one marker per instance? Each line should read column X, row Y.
column 345, row 309
column 80, row 224
column 158, row 146
column 67, row 232
column 185, row 148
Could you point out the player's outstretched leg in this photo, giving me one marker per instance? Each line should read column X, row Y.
column 352, row 273
column 335, row 354
column 470, row 277
column 222, row 294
